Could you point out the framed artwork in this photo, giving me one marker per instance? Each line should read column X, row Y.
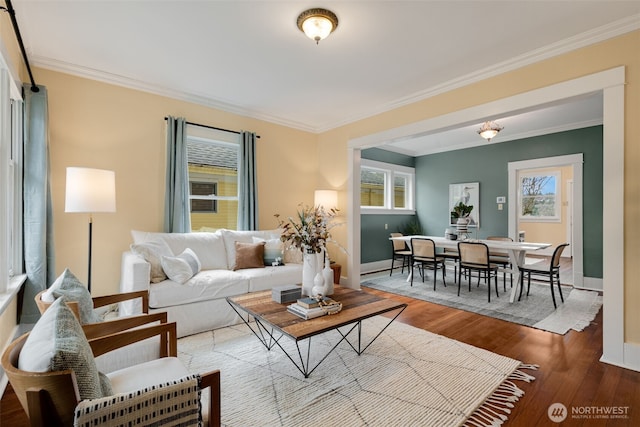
column 469, row 194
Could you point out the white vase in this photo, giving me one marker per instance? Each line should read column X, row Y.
column 318, row 289
column 327, row 274
column 309, row 270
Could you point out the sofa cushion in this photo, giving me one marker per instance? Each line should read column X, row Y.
column 182, row 267
column 232, row 236
column 68, row 285
column 261, row 279
column 208, row 247
column 249, row 255
column 206, row 285
column 153, row 251
column 273, row 249
column 57, row 343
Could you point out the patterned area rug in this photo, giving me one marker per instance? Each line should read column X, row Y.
column 536, row 310
column 407, row 377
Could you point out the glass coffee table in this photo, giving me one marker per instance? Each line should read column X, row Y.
column 272, row 322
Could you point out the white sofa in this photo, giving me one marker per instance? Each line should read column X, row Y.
column 199, row 304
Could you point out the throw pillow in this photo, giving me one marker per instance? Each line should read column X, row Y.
column 57, row 343
column 182, row 267
column 67, row 285
column 272, row 250
column 152, row 252
column 249, row 255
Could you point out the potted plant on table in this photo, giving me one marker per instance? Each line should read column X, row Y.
column 461, row 213
column 309, row 231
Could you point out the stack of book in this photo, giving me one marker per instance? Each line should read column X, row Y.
column 309, row 308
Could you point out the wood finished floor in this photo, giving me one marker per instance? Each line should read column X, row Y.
column 570, row 372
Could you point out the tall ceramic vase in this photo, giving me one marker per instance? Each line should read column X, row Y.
column 311, row 265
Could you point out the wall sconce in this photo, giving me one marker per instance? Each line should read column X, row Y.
column 489, row 130
column 90, row 191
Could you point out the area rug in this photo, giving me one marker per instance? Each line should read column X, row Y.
column 408, row 376
column 535, row 310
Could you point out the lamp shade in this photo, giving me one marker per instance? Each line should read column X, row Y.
column 90, row 190
column 326, row 198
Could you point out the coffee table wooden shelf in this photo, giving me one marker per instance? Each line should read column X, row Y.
column 273, row 321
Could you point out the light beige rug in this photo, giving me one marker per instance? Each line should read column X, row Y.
column 407, row 377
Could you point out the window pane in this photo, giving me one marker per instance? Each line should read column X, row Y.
column 372, row 188
column 213, row 173
column 539, row 196
column 399, row 191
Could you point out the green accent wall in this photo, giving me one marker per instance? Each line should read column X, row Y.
column 488, row 165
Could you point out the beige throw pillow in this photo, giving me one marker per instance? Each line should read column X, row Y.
column 249, row 255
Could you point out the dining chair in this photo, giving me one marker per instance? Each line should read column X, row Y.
column 547, row 274
column 474, row 256
column 450, row 254
column 501, row 258
column 423, row 253
column 400, row 252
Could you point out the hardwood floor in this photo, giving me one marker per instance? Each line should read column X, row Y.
column 570, row 372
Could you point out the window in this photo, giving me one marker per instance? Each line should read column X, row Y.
column 202, row 196
column 386, row 188
column 213, row 178
column 539, row 198
column 10, row 179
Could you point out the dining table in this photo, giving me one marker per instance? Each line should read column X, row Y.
column 516, row 251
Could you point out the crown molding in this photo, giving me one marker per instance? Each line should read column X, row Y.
column 596, row 35
column 587, row 38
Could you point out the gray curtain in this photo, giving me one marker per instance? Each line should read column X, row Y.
column 176, row 204
column 38, row 214
column 247, row 193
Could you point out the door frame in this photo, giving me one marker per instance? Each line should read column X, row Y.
column 611, row 83
column 576, row 162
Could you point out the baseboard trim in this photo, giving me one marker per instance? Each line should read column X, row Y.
column 631, row 357
column 591, row 284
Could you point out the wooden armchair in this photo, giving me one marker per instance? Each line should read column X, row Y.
column 50, row 398
column 138, row 353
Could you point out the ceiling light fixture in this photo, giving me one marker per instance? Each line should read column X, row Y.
column 489, row 130
column 317, row 23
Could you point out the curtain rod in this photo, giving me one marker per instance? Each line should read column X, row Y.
column 213, row 127
column 16, row 30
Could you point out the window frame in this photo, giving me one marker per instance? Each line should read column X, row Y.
column 557, row 216
column 391, row 171
column 219, row 138
column 11, row 170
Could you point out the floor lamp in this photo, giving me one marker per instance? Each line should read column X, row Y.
column 90, row 191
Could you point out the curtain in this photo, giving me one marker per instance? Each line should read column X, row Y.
column 176, row 203
column 248, row 188
column 38, row 214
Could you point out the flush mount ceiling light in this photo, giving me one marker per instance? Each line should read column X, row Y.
column 317, row 24
column 489, row 130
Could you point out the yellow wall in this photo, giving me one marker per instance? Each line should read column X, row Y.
column 99, row 125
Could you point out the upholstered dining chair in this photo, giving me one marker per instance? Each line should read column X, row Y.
column 550, row 273
column 501, row 258
column 52, row 396
column 400, row 252
column 423, row 253
column 474, row 256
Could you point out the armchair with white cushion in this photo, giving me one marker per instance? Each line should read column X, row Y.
column 54, row 375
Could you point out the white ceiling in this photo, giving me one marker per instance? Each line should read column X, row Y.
column 248, row 57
